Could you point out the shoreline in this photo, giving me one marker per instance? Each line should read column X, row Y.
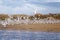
column 33, row 27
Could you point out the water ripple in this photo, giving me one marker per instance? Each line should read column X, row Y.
column 28, row 35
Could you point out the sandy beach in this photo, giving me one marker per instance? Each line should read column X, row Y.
column 33, row 27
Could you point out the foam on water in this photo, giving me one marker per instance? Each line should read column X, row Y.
column 28, row 35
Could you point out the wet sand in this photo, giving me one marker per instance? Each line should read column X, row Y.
column 33, row 27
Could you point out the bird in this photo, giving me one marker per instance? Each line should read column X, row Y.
column 4, row 24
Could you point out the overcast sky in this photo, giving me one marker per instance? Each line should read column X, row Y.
column 29, row 6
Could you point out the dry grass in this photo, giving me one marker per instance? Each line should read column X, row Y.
column 34, row 27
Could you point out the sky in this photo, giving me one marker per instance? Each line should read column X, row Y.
column 29, row 6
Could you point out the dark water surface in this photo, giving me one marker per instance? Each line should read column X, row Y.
column 28, row 35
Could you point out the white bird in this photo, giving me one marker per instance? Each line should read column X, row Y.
column 4, row 24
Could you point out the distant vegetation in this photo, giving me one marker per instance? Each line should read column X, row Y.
column 31, row 17
column 40, row 16
column 37, row 16
column 3, row 16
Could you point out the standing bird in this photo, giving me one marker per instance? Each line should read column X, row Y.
column 4, row 23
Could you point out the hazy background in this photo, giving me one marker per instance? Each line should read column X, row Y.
column 29, row 6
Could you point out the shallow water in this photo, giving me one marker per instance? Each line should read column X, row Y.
column 28, row 35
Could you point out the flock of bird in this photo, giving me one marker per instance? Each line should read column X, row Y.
column 27, row 21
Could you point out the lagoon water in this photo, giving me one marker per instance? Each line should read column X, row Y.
column 28, row 35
